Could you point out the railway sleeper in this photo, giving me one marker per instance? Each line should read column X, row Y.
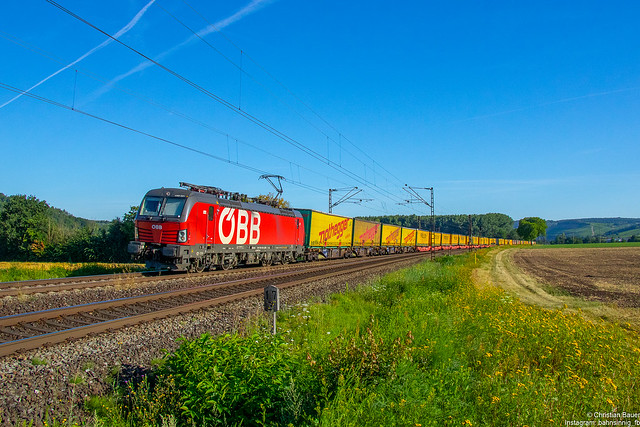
column 56, row 323
column 125, row 310
column 154, row 305
column 33, row 327
column 108, row 315
column 93, row 318
column 14, row 333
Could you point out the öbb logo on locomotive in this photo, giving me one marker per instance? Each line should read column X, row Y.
column 246, row 230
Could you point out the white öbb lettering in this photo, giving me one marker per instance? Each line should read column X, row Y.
column 242, row 227
column 156, row 226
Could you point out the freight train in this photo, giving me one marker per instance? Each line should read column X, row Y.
column 200, row 227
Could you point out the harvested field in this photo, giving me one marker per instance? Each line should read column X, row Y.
column 609, row 275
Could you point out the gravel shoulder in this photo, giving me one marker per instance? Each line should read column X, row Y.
column 55, row 381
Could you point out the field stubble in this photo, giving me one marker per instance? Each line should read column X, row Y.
column 602, row 282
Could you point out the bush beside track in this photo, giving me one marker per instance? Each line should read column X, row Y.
column 422, row 346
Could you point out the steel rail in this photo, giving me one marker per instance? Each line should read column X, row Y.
column 29, row 287
column 285, row 280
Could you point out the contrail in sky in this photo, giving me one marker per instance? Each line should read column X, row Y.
column 253, row 6
column 544, row 104
column 122, row 31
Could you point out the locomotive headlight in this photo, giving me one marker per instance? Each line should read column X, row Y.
column 182, row 236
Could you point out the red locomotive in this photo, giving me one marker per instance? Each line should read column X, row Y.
column 202, row 227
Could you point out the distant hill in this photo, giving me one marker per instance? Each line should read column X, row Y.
column 587, row 227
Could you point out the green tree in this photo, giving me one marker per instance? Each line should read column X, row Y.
column 23, row 227
column 532, row 227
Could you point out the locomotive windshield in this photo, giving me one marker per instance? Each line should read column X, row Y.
column 162, row 206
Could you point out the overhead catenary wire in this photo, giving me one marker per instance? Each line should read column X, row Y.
column 147, row 134
column 293, row 94
column 168, row 109
column 231, row 106
column 245, row 72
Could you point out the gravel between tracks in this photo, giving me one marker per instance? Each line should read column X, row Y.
column 124, row 288
column 72, row 372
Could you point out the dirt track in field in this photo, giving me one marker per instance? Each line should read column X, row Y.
column 609, row 275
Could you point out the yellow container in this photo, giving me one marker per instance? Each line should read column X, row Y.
column 437, row 239
column 326, row 230
column 446, row 239
column 366, row 233
column 391, row 235
column 423, row 238
column 408, row 236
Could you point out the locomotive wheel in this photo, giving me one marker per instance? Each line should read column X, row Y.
column 266, row 261
column 196, row 266
column 199, row 267
column 227, row 264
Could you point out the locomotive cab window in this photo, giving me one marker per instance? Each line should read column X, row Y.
column 160, row 206
column 151, row 206
column 173, row 206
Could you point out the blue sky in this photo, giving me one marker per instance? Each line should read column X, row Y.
column 528, row 109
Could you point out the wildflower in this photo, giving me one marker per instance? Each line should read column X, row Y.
column 495, row 399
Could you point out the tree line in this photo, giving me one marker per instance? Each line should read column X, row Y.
column 31, row 230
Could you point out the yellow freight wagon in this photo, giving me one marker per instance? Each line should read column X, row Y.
column 455, row 240
column 423, row 238
column 446, row 239
column 408, row 237
column 366, row 233
column 437, row 239
column 391, row 235
column 326, row 230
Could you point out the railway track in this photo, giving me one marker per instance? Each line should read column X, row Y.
column 30, row 287
column 26, row 331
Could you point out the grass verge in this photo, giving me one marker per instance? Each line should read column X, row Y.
column 422, row 346
column 14, row 271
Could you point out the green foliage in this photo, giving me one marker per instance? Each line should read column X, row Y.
column 32, row 230
column 231, row 379
column 273, row 200
column 531, row 227
column 422, row 346
column 22, row 227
